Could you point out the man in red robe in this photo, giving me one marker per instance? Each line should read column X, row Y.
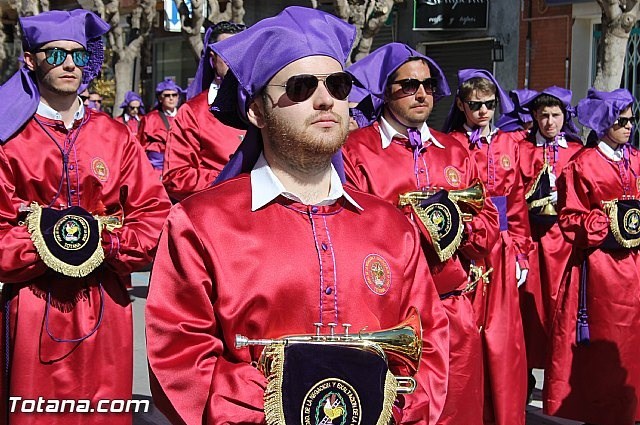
column 593, row 370
column 380, row 159
column 497, row 155
column 155, row 126
column 132, row 111
column 544, row 151
column 68, row 325
column 199, row 145
column 282, row 245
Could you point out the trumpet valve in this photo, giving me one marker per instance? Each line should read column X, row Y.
column 346, row 327
column 318, row 326
column 332, row 329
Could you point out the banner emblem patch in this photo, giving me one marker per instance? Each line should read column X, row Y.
column 331, row 401
column 71, row 232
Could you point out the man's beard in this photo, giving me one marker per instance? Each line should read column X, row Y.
column 46, row 80
column 299, row 149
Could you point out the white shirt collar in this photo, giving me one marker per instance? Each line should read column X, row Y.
column 265, row 187
column 387, row 133
column 613, row 154
column 540, row 140
column 213, row 92
column 47, row 111
column 469, row 130
column 127, row 117
column 171, row 113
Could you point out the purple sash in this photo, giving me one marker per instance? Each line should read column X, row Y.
column 501, row 205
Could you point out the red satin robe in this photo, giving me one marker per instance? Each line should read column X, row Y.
column 153, row 135
column 550, row 251
column 504, row 348
column 389, row 172
column 109, row 174
column 598, row 383
column 199, row 146
column 274, row 272
column 132, row 124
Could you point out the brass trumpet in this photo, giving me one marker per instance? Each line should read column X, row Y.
column 471, row 197
column 402, row 343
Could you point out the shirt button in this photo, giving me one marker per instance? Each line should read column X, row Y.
column 324, row 246
column 422, row 171
column 71, row 167
column 73, row 191
column 328, row 291
column 314, row 210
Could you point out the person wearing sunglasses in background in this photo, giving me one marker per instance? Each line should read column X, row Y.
column 199, row 145
column 155, row 126
column 79, row 211
column 400, row 153
column 95, row 101
column 593, row 370
column 497, row 155
column 544, row 151
column 132, row 111
column 278, row 243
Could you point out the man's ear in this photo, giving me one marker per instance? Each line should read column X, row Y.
column 255, row 114
column 30, row 61
column 459, row 104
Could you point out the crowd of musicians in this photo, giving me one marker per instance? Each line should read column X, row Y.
column 290, row 193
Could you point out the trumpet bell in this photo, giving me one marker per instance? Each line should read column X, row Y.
column 472, row 196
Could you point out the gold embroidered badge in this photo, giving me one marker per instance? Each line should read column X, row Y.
column 377, row 274
column 452, row 176
column 506, row 162
column 99, row 168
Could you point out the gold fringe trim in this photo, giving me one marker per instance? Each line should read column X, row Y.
column 443, row 253
column 390, row 394
column 612, row 208
column 540, row 202
column 536, row 182
column 273, row 408
column 33, row 226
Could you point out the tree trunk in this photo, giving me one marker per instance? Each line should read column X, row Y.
column 618, row 18
column 191, row 23
column 376, row 19
column 124, row 82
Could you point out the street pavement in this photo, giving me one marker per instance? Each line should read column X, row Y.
column 154, row 417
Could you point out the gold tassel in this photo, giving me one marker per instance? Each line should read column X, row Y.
column 443, row 253
column 82, row 270
column 390, row 394
column 273, row 408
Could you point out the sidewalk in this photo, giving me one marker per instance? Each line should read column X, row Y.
column 154, row 417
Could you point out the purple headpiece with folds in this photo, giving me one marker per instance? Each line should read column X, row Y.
column 372, row 73
column 255, row 55
column 516, row 119
column 564, row 96
column 168, row 84
column 81, row 26
column 129, row 97
column 599, row 110
column 456, row 117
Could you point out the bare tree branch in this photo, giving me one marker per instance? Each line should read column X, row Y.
column 314, row 4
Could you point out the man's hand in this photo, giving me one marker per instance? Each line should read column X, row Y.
column 521, row 274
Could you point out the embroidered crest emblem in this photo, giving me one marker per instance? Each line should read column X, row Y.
column 505, row 161
column 632, row 221
column 331, row 401
column 452, row 176
column 440, row 217
column 377, row 274
column 99, row 168
column 71, row 232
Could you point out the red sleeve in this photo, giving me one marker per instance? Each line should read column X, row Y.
column 580, row 225
column 518, row 213
column 19, row 260
column 484, row 228
column 144, row 204
column 356, row 175
column 191, row 381
column 425, row 405
column 183, row 173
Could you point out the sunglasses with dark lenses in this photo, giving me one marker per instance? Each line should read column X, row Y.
column 412, row 85
column 623, row 121
column 56, row 56
column 477, row 105
column 170, row 95
column 300, row 87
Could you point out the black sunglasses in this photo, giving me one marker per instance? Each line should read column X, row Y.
column 411, row 85
column 477, row 105
column 133, row 107
column 170, row 95
column 300, row 87
column 56, row 56
column 623, row 121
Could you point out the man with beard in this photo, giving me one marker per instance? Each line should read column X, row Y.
column 79, row 211
column 400, row 153
column 199, row 145
column 278, row 243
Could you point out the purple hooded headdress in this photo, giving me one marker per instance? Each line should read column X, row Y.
column 456, row 117
column 129, row 97
column 255, row 55
column 372, row 73
column 599, row 110
column 205, row 72
column 564, row 96
column 81, row 26
column 516, row 119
